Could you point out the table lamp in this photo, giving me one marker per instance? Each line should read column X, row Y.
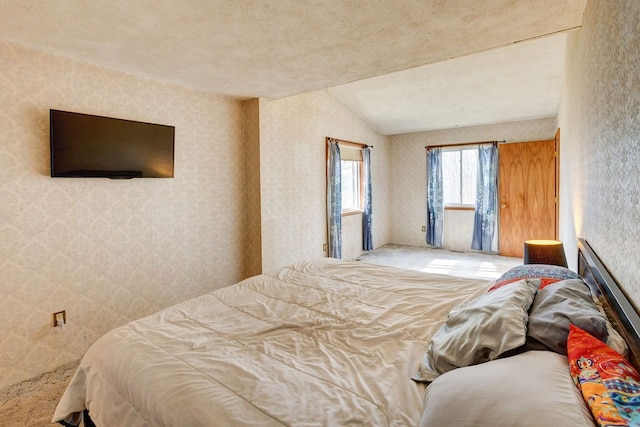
column 544, row 252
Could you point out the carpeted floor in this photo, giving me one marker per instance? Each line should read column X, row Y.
column 32, row 402
column 467, row 264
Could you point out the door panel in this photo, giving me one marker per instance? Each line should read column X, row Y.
column 527, row 194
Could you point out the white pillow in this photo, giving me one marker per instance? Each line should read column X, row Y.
column 529, row 389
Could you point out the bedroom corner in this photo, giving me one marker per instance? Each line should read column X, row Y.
column 107, row 251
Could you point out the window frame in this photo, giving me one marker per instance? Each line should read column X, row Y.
column 361, row 184
column 360, row 188
column 461, row 206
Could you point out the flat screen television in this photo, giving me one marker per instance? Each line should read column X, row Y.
column 84, row 145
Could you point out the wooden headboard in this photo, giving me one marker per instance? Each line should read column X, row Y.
column 621, row 312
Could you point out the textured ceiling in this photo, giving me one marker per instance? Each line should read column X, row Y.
column 278, row 48
column 517, row 82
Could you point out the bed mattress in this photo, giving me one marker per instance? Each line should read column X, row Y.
column 324, row 342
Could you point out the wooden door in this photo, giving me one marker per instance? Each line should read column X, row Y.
column 527, row 194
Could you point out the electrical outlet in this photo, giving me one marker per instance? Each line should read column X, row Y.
column 324, row 247
column 424, row 228
column 60, row 318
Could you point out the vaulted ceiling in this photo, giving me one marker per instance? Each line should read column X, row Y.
column 402, row 65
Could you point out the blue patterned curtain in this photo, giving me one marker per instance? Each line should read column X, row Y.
column 435, row 206
column 367, row 238
column 486, row 200
column 334, row 200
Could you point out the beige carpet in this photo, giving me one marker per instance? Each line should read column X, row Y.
column 468, row 264
column 31, row 403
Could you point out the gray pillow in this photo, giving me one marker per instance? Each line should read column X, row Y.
column 555, row 307
column 480, row 330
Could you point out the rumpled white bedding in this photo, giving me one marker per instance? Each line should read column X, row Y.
column 327, row 342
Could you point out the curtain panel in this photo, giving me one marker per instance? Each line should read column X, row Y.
column 435, row 205
column 334, row 200
column 367, row 237
column 486, row 215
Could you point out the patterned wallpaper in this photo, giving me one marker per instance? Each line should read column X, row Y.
column 293, row 176
column 409, row 168
column 252, row 208
column 107, row 251
column 457, row 234
column 600, row 139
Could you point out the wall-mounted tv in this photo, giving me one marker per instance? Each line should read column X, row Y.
column 84, row 145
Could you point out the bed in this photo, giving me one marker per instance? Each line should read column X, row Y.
column 329, row 342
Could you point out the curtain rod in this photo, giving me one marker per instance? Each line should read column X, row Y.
column 345, row 142
column 462, row 144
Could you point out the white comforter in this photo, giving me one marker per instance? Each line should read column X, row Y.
column 325, row 343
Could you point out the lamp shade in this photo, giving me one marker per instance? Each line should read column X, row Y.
column 544, row 252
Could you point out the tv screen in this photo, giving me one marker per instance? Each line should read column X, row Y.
column 83, row 145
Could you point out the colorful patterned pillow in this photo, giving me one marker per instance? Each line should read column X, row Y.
column 546, row 273
column 609, row 384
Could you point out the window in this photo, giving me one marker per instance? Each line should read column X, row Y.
column 459, row 172
column 351, row 167
column 350, row 185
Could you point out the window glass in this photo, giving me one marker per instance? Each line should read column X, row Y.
column 459, row 174
column 350, row 184
column 451, row 177
column 469, row 176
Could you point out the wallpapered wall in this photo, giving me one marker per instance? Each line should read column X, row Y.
column 293, row 177
column 600, row 139
column 107, row 251
column 252, row 207
column 409, row 168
